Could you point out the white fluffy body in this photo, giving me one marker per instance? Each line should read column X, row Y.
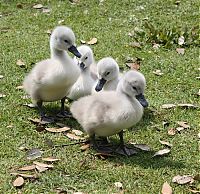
column 108, row 112
column 51, row 79
column 84, row 84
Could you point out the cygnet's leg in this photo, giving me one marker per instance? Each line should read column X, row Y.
column 62, row 112
column 97, row 147
column 44, row 118
column 123, row 149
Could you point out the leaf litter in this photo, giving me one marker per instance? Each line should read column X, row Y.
column 34, row 154
column 165, row 143
column 57, row 130
column 162, row 152
column 50, row 159
column 92, row 41
column 27, row 168
column 20, row 63
column 183, row 179
column 166, row 188
column 18, row 182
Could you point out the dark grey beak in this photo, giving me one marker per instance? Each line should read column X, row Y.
column 100, row 84
column 142, row 100
column 82, row 66
column 74, row 50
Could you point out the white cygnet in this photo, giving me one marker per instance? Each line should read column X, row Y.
column 109, row 112
column 51, row 79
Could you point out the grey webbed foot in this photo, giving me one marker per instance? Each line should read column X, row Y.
column 125, row 151
column 64, row 114
column 47, row 119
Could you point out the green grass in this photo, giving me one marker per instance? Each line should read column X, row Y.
column 26, row 39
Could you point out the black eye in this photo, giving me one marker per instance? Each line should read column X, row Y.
column 107, row 73
column 86, row 58
column 134, row 88
column 66, row 41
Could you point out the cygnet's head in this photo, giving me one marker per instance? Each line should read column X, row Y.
column 63, row 38
column 107, row 70
column 133, row 83
column 87, row 57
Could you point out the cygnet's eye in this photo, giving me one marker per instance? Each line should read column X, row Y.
column 86, row 58
column 134, row 88
column 107, row 73
column 66, row 41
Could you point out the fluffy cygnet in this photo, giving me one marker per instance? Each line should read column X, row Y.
column 51, row 79
column 109, row 112
column 84, row 84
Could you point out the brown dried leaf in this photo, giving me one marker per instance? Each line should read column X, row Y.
column 165, row 143
column 118, row 185
column 60, row 21
column 179, row 129
column 20, row 63
column 166, row 188
column 34, row 176
column 41, row 168
column 183, row 179
column 38, row 6
column 168, row 106
column 92, row 41
column 46, row 10
column 180, row 51
column 1, row 76
column 85, row 147
column 58, row 130
column 171, row 131
column 34, row 153
column 194, row 191
column 83, row 41
column 158, row 72
column 19, row 87
column 73, row 136
column 162, row 152
column 27, row 168
column 35, row 121
column 18, row 182
column 187, row 105
column 135, row 44
column 50, row 159
column 156, row 46
column 77, row 132
column 30, row 105
column 142, row 147
column 61, row 125
column 198, row 135
column 43, row 164
column 181, row 40
column 183, row 124
column 2, row 95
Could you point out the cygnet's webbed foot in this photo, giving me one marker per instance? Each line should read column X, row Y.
column 64, row 114
column 102, row 148
column 46, row 119
column 123, row 149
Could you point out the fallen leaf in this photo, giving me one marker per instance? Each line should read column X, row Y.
column 165, row 143
column 78, row 192
column 35, row 121
column 58, row 130
column 19, row 87
column 135, row 44
column 198, row 135
column 73, row 136
column 165, row 124
column 48, row 32
column 183, row 179
column 156, row 46
column 2, row 95
column 41, row 168
column 181, row 40
column 23, row 147
column 38, row 6
column 18, row 182
column 194, row 191
column 118, row 185
column 168, row 106
column 20, row 63
column 60, row 21
column 198, row 93
column 187, row 105
column 166, row 188
column 103, row 156
column 1, row 76
column 82, row 41
column 43, row 164
column 9, row 126
column 27, row 168
column 143, row 147
column 85, row 147
column 180, row 51
column 162, row 152
column 171, row 131
column 183, row 124
column 34, row 176
column 30, row 105
column 133, row 64
column 179, row 129
column 50, row 159
column 34, row 154
column 92, row 41
column 46, row 10
column 77, row 132
column 158, row 72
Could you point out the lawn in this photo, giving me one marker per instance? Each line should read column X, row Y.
column 23, row 36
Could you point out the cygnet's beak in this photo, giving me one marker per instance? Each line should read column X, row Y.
column 142, row 100
column 74, row 50
column 100, row 84
column 82, row 66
